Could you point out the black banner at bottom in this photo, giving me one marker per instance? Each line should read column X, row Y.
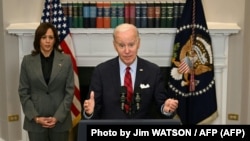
column 130, row 130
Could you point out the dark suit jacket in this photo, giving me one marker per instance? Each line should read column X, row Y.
column 106, row 84
column 39, row 99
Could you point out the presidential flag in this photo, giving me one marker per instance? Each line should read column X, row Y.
column 192, row 79
column 53, row 13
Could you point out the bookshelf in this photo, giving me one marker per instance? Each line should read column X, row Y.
column 109, row 14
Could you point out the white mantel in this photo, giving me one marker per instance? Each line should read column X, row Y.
column 95, row 45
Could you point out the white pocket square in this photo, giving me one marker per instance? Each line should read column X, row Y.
column 143, row 86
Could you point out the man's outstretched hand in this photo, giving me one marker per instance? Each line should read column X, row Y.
column 89, row 104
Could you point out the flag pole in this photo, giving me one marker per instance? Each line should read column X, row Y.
column 192, row 55
column 192, row 80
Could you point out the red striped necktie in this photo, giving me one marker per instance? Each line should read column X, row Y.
column 128, row 85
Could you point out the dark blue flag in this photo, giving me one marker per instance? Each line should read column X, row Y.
column 192, row 79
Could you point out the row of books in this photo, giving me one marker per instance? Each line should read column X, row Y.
column 109, row 14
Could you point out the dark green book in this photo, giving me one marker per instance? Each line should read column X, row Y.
column 163, row 23
column 176, row 14
column 75, row 15
column 120, row 13
column 113, row 15
column 80, row 14
column 170, row 14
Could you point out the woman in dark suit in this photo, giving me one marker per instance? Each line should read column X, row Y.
column 106, row 99
column 46, row 88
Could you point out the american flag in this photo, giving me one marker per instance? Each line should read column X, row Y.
column 184, row 65
column 196, row 90
column 53, row 13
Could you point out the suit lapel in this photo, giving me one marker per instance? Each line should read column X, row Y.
column 115, row 71
column 38, row 68
column 139, row 73
column 56, row 67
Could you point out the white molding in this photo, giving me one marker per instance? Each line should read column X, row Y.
column 214, row 27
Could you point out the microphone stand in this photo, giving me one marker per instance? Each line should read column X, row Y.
column 123, row 97
column 136, row 100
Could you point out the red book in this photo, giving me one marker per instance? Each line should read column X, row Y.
column 126, row 12
column 132, row 13
column 99, row 15
column 106, row 14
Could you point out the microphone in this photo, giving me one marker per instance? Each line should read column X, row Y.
column 137, row 98
column 123, row 97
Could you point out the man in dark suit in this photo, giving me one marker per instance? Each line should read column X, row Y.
column 106, row 100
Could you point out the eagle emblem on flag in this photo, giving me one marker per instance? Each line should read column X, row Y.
column 198, row 56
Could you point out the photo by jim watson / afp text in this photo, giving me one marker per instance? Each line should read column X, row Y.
column 170, row 132
column 91, row 130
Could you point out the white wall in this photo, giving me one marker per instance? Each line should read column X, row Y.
column 246, row 78
column 2, row 95
column 21, row 11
